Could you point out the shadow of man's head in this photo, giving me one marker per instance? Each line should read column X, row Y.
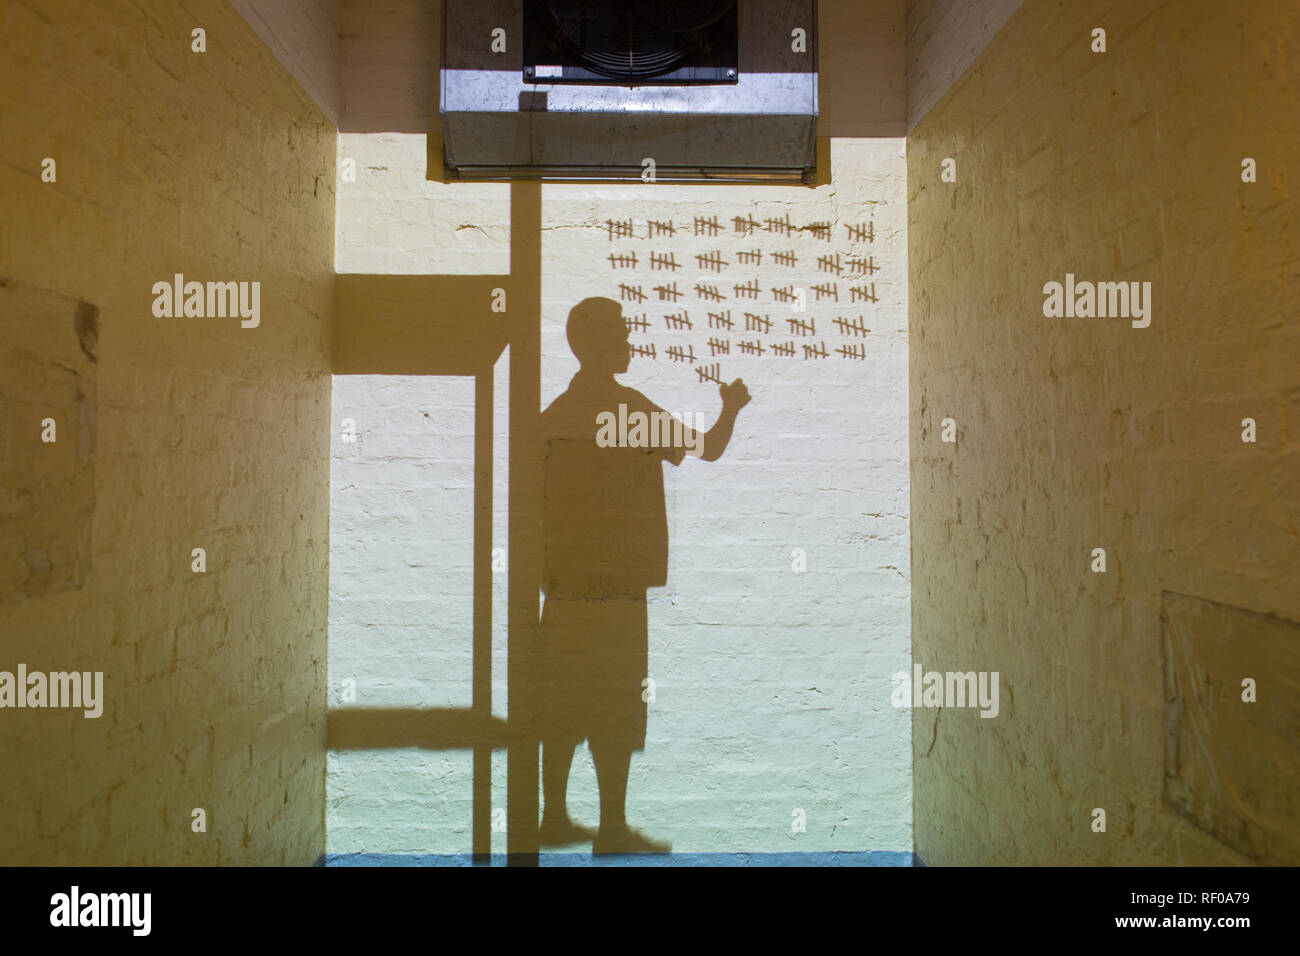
column 598, row 336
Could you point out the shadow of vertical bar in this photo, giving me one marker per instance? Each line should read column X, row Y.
column 481, row 703
column 524, row 298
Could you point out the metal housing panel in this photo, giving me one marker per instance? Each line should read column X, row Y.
column 496, row 125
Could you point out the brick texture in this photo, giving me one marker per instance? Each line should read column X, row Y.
column 217, row 166
column 1078, row 433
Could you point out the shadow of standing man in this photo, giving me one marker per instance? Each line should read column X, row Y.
column 605, row 531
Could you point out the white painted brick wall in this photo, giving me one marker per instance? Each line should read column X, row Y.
column 772, row 687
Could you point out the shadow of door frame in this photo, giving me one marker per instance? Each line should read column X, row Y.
column 459, row 325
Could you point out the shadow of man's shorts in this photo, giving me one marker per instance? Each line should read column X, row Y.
column 592, row 659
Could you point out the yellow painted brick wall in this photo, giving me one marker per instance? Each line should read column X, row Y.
column 1078, row 433
column 214, row 165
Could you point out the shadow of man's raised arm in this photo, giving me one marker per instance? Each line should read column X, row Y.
column 734, row 397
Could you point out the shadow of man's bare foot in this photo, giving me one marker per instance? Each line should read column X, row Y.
column 626, row 840
column 561, row 831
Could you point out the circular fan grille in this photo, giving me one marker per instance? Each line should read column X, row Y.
column 630, row 40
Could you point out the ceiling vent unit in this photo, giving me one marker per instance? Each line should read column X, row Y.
column 645, row 41
column 706, row 90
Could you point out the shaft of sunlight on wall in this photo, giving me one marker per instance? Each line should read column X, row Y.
column 772, row 685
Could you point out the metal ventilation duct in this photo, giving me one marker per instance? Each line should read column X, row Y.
column 498, row 123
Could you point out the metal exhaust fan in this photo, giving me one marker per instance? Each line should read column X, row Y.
column 710, row 90
column 645, row 41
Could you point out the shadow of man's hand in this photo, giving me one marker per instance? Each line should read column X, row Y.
column 734, row 396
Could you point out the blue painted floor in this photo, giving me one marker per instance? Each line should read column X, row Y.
column 863, row 858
